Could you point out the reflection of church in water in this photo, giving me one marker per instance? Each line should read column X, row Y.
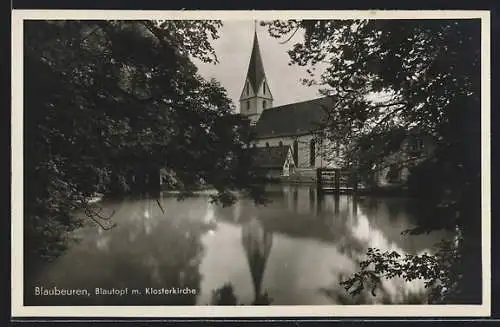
column 257, row 242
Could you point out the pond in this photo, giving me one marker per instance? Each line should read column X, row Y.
column 294, row 251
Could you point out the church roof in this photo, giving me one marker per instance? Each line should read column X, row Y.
column 270, row 157
column 255, row 72
column 292, row 119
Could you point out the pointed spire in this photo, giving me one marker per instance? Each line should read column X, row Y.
column 257, row 242
column 256, row 67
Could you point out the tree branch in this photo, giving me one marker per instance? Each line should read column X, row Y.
column 96, row 216
column 291, row 36
column 388, row 115
column 159, row 205
column 385, row 105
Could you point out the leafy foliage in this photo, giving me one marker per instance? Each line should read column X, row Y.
column 391, row 80
column 436, row 270
column 108, row 100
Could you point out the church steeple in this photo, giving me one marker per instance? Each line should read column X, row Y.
column 256, row 95
column 255, row 72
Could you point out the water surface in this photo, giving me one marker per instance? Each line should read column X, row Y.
column 294, row 251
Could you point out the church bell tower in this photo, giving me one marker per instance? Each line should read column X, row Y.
column 255, row 96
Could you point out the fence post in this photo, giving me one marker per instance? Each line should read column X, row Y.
column 337, row 181
column 318, row 181
column 355, row 181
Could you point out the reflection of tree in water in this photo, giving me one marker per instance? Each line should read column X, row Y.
column 149, row 249
column 224, row 295
column 369, row 203
column 339, row 296
column 167, row 254
column 391, row 207
column 354, row 244
column 395, row 207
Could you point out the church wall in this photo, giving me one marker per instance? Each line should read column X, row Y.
column 304, row 149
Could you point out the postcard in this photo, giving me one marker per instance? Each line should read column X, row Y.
column 250, row 163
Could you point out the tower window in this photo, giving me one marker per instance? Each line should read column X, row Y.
column 264, row 104
column 246, row 87
column 264, row 87
column 248, row 105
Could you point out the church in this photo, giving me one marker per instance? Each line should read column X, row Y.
column 285, row 135
column 287, row 144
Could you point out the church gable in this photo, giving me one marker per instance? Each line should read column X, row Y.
column 289, row 165
column 289, row 158
column 248, row 91
column 264, row 90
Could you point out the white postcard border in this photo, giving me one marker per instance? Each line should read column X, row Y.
column 19, row 310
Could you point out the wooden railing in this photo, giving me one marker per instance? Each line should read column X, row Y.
column 335, row 180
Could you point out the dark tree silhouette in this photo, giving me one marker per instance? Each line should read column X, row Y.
column 393, row 78
column 107, row 102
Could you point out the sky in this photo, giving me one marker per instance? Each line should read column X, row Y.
column 233, row 49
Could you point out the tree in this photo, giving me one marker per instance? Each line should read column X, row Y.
column 388, row 77
column 104, row 100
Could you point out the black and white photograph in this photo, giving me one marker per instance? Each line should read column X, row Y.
column 316, row 164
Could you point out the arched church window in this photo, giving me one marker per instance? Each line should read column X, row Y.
column 267, row 144
column 264, row 87
column 280, row 143
column 264, row 104
column 312, row 153
column 296, row 152
column 247, row 88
